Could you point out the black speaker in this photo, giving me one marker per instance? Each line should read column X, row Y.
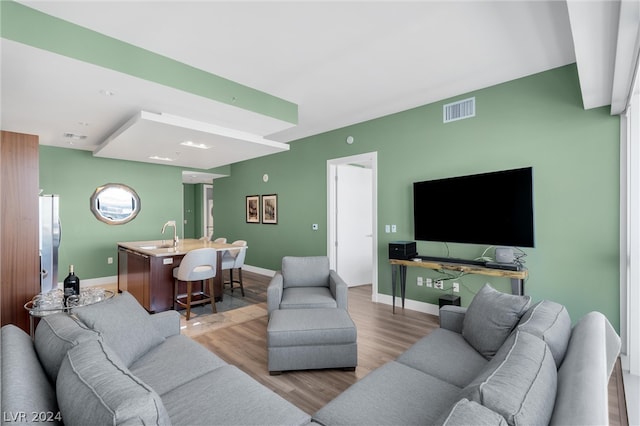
column 403, row 250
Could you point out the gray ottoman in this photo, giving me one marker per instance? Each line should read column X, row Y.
column 305, row 339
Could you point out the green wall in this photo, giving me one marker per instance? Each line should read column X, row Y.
column 87, row 242
column 189, row 212
column 535, row 121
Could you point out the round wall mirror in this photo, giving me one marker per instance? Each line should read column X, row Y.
column 115, row 203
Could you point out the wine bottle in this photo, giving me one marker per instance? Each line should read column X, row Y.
column 71, row 284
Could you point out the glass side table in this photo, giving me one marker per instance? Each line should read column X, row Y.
column 44, row 304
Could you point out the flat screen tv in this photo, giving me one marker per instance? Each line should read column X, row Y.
column 493, row 208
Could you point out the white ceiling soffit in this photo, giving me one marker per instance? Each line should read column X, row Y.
column 48, row 95
column 178, row 141
column 606, row 42
column 193, row 177
column 627, row 55
column 593, row 26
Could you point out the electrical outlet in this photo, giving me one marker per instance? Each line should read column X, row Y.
column 420, row 282
column 429, row 282
column 439, row 285
column 109, row 260
column 456, row 287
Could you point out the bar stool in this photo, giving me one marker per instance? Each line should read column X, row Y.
column 196, row 265
column 234, row 259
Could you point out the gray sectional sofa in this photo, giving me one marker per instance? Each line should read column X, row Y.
column 497, row 362
column 113, row 363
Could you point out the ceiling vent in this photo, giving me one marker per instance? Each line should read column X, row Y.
column 460, row 110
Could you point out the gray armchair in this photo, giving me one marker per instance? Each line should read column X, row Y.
column 306, row 282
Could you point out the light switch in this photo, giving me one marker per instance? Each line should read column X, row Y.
column 393, row 228
column 387, row 228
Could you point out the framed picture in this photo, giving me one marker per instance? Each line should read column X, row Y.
column 253, row 209
column 270, row 208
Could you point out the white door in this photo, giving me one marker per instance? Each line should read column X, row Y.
column 354, row 250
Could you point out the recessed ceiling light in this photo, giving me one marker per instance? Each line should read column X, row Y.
column 155, row 157
column 192, row 144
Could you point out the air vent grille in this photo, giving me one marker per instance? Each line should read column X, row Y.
column 459, row 110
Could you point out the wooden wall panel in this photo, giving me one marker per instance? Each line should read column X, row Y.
column 19, row 226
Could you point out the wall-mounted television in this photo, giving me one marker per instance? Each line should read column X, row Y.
column 493, row 208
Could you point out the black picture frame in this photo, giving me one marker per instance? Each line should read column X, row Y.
column 270, row 209
column 252, row 209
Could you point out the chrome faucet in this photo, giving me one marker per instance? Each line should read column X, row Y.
column 175, row 231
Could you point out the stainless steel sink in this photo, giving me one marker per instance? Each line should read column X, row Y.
column 155, row 247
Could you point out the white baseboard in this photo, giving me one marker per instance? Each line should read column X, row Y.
column 258, row 270
column 427, row 308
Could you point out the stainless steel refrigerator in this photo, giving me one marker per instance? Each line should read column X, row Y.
column 50, row 234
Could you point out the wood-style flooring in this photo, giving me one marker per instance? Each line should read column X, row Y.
column 239, row 337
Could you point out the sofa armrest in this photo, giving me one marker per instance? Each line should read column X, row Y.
column 339, row 289
column 25, row 386
column 583, row 376
column 274, row 292
column 167, row 323
column 451, row 317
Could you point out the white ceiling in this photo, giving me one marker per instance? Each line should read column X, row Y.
column 340, row 62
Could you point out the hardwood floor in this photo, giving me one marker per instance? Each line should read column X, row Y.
column 240, row 339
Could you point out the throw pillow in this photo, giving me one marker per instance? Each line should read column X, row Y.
column 490, row 318
column 465, row 412
column 550, row 322
column 95, row 388
column 54, row 336
column 519, row 383
column 124, row 325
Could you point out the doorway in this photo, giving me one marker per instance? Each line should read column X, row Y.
column 352, row 216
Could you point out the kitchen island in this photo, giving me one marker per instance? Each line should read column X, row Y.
column 145, row 269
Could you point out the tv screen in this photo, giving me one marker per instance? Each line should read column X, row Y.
column 493, row 208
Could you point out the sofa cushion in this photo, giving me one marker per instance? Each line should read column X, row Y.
column 549, row 321
column 95, row 387
column 310, row 271
column 25, row 386
column 124, row 324
column 300, row 327
column 55, row 335
column 465, row 412
column 228, row 396
column 445, row 355
column 307, row 298
column 393, row 394
column 519, row 383
column 490, row 318
column 180, row 355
